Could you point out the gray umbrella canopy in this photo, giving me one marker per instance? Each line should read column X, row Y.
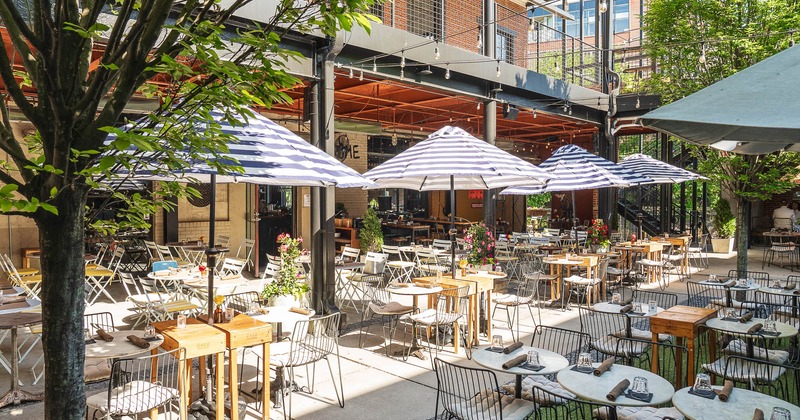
column 660, row 172
column 754, row 111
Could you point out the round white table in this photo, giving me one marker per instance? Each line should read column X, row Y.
column 740, row 405
column 120, row 347
column 281, row 316
column 415, row 292
column 15, row 306
column 595, row 388
column 552, row 362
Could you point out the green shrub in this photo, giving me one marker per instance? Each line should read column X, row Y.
column 724, row 221
column 370, row 233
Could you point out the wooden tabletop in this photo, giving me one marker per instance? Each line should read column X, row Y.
column 198, row 338
column 19, row 319
column 244, row 330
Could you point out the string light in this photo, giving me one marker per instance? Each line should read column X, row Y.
column 498, row 68
column 351, row 73
column 447, row 71
column 638, row 103
column 479, row 105
column 436, row 54
column 603, row 6
column 374, row 66
column 402, row 59
column 361, row 75
column 402, row 74
column 534, row 113
column 702, row 58
column 480, row 39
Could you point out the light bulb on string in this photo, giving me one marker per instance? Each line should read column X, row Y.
column 447, row 71
column 351, row 73
column 361, row 75
column 638, row 103
column 479, row 105
column 498, row 68
column 436, row 53
column 374, row 66
column 534, row 113
column 402, row 59
column 603, row 6
column 480, row 39
column 569, row 109
column 702, row 58
column 402, row 74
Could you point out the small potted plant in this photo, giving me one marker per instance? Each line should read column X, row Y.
column 370, row 234
column 597, row 236
column 480, row 246
column 725, row 227
column 285, row 289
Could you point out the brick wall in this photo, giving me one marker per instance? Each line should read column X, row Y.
column 355, row 199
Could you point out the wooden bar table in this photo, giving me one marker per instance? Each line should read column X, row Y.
column 480, row 290
column 684, row 322
column 245, row 331
column 198, row 339
column 682, row 242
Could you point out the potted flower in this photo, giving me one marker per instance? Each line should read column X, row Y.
column 725, row 227
column 285, row 289
column 480, row 246
column 597, row 236
column 370, row 234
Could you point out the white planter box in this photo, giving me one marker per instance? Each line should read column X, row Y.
column 723, row 246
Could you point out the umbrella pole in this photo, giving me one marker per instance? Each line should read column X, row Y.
column 452, row 226
column 211, row 260
column 574, row 223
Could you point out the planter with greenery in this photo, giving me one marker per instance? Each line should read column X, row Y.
column 370, row 233
column 724, row 226
column 480, row 246
column 285, row 288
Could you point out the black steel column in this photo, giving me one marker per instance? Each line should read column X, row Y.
column 490, row 107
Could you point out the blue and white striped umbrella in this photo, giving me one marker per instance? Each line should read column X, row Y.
column 660, row 172
column 269, row 153
column 573, row 168
column 453, row 153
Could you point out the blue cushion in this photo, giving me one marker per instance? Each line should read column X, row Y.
column 164, row 265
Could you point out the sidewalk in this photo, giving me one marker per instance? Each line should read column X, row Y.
column 375, row 386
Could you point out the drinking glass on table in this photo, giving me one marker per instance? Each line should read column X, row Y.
column 149, row 331
column 780, row 413
column 181, row 321
column 229, row 313
column 585, row 362
column 497, row 342
column 533, row 358
column 253, row 308
column 770, row 326
column 702, row 383
column 616, row 298
column 639, row 387
column 652, row 306
column 712, row 277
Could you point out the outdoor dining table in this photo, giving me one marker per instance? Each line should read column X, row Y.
column 594, row 388
column 685, row 323
column 415, row 292
column 414, row 228
column 682, row 242
column 245, row 331
column 198, row 339
column 792, row 293
column 741, row 404
column 735, row 328
column 651, row 250
column 120, row 347
column 557, row 264
column 731, row 286
column 281, row 316
column 552, row 362
column 14, row 321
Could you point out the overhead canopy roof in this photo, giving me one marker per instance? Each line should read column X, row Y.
column 754, row 111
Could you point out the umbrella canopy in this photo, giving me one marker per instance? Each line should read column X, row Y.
column 268, row 153
column 573, row 168
column 660, row 172
column 453, row 153
column 752, row 112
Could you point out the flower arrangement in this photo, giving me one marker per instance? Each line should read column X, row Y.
column 480, row 244
column 285, row 282
column 218, row 299
column 598, row 233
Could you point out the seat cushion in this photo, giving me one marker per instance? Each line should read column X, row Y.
column 483, row 405
column 542, row 382
column 745, row 371
column 95, row 370
column 391, row 308
column 132, row 398
column 739, row 347
column 608, row 345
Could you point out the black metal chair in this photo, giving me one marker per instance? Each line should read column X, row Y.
column 139, row 385
column 705, row 296
column 605, row 330
column 572, row 408
column 761, row 277
column 775, row 379
column 240, row 302
column 382, row 306
column 472, row 393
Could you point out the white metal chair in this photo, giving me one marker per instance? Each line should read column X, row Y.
column 31, row 283
column 142, row 305
column 163, row 309
column 98, row 279
column 245, row 252
column 699, row 253
column 232, row 267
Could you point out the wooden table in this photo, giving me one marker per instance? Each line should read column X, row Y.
column 198, row 339
column 682, row 242
column 684, row 322
column 740, row 405
column 14, row 321
column 27, row 253
column 414, row 228
column 415, row 292
column 557, row 263
column 480, row 290
column 244, row 331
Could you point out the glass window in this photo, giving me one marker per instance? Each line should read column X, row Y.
column 622, row 22
column 504, row 46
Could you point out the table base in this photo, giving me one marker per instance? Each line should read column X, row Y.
column 17, row 396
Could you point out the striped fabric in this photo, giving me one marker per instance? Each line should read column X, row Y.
column 451, row 151
column 660, row 172
column 573, row 168
column 271, row 154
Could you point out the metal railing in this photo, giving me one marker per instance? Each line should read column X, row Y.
column 532, row 45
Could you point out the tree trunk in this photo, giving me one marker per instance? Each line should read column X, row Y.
column 742, row 235
column 62, row 295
